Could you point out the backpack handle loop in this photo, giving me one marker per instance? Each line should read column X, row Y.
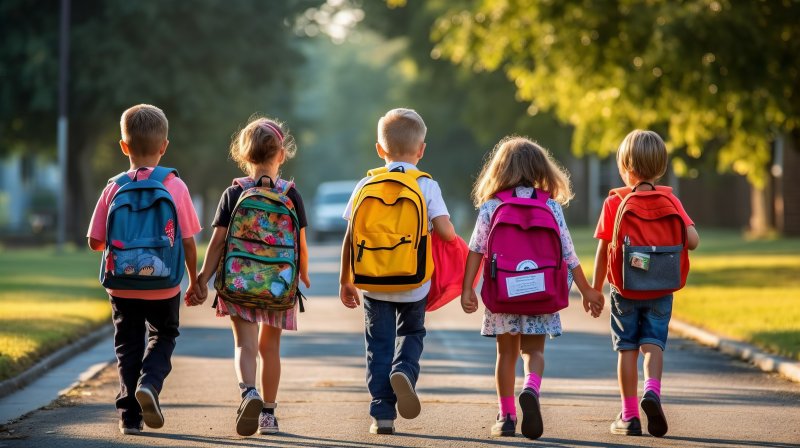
column 643, row 183
column 259, row 182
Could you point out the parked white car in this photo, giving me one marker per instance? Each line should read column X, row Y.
column 330, row 201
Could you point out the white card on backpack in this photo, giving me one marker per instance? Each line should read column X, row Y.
column 525, row 284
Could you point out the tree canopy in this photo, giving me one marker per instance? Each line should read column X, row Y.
column 717, row 78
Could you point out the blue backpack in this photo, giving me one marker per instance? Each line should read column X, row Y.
column 144, row 249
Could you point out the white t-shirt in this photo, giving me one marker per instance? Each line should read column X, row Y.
column 436, row 207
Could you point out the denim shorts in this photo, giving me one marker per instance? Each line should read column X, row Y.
column 637, row 322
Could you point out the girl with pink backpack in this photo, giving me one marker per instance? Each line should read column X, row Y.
column 529, row 264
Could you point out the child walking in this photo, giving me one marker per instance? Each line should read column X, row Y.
column 520, row 164
column 386, row 253
column 260, row 149
column 638, row 325
column 145, row 319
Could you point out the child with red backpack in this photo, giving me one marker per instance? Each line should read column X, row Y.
column 529, row 264
column 258, row 253
column 645, row 236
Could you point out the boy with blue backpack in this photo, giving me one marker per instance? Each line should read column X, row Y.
column 144, row 222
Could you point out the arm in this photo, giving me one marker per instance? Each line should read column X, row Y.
column 190, row 259
column 593, row 300
column 304, row 259
column 692, row 238
column 213, row 254
column 600, row 265
column 444, row 228
column 348, row 293
column 96, row 244
column 469, row 300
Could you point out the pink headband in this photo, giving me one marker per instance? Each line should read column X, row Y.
column 274, row 129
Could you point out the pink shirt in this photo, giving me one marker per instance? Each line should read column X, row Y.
column 187, row 222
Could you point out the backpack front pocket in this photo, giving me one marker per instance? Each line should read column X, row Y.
column 259, row 276
column 651, row 268
column 521, row 281
column 144, row 258
column 384, row 255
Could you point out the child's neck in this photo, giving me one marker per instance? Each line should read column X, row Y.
column 643, row 184
column 143, row 162
column 412, row 159
column 270, row 170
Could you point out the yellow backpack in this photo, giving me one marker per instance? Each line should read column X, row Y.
column 390, row 249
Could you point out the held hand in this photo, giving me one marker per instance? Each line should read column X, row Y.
column 192, row 298
column 349, row 295
column 469, row 300
column 304, row 278
column 593, row 302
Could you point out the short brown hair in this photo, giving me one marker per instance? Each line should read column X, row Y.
column 644, row 154
column 144, row 128
column 401, row 131
column 259, row 141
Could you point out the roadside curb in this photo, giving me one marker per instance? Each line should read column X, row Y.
column 61, row 355
column 768, row 363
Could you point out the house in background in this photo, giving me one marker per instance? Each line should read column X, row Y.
column 29, row 188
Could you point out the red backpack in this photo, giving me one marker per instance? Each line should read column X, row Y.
column 524, row 270
column 648, row 257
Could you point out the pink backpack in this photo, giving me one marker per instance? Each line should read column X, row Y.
column 524, row 270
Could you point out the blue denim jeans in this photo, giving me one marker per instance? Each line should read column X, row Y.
column 394, row 333
column 637, row 322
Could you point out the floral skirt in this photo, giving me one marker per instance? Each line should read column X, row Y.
column 501, row 323
column 286, row 319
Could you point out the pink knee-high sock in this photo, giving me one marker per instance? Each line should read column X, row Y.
column 533, row 381
column 507, row 406
column 654, row 385
column 630, row 408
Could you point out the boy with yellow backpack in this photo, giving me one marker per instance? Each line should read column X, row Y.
column 386, row 253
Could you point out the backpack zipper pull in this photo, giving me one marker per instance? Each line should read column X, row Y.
column 361, row 249
column 494, row 266
column 627, row 240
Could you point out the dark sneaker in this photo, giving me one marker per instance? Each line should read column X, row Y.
column 267, row 423
column 408, row 405
column 381, row 427
column 147, row 397
column 505, row 426
column 656, row 420
column 130, row 428
column 248, row 414
column 532, row 426
column 633, row 427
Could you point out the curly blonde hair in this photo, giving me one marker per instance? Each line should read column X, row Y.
column 518, row 161
column 259, row 141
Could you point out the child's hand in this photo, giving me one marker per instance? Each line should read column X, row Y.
column 304, row 278
column 593, row 302
column 469, row 300
column 349, row 295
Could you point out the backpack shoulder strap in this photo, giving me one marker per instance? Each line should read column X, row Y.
column 621, row 192
column 244, row 182
column 284, row 186
column 160, row 173
column 375, row 171
column 121, row 179
column 510, row 194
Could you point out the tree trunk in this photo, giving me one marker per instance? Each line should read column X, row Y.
column 761, row 222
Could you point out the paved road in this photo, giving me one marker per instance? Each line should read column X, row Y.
column 710, row 399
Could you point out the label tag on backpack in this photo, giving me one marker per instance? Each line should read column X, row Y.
column 640, row 260
column 525, row 284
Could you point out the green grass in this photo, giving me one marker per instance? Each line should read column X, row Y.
column 47, row 300
column 740, row 289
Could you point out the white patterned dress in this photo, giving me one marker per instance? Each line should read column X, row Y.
column 500, row 323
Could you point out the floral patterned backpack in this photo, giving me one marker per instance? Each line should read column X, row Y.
column 259, row 267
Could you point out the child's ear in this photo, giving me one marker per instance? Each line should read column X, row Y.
column 163, row 148
column 381, row 152
column 124, row 147
column 421, row 151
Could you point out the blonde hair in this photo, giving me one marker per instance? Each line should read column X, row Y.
column 144, row 129
column 401, row 131
column 644, row 154
column 259, row 141
column 518, row 161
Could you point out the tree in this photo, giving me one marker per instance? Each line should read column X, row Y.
column 718, row 78
column 208, row 64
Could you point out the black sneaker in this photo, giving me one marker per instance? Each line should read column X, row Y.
column 632, row 427
column 532, row 426
column 248, row 414
column 130, row 428
column 656, row 420
column 505, row 427
column 147, row 397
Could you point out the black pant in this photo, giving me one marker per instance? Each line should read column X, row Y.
column 135, row 320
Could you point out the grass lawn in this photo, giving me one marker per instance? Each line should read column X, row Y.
column 745, row 290
column 47, row 300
